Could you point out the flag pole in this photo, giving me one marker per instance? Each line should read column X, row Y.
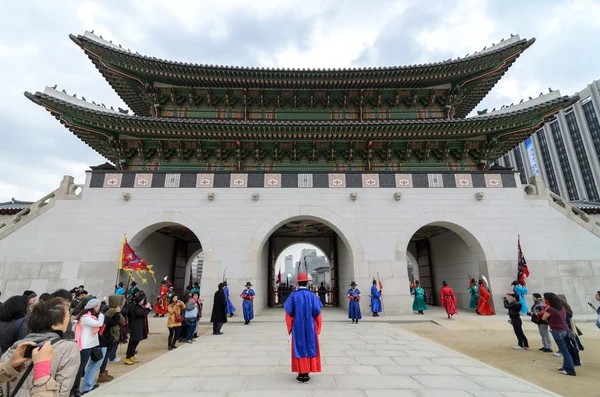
column 381, row 293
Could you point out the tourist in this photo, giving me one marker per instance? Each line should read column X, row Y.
column 521, row 291
column 513, row 304
column 160, row 308
column 48, row 321
column 113, row 319
column 41, row 359
column 419, row 305
column 196, row 298
column 138, row 326
column 195, row 289
column 30, row 295
column 190, row 318
column 247, row 304
column 322, row 293
column 448, row 299
column 67, row 297
column 354, row 306
column 45, row 297
column 79, row 302
column 170, row 294
column 556, row 315
column 483, row 306
column 536, row 317
column 219, row 311
column 120, row 289
column 375, row 299
column 303, row 320
column 174, row 321
column 12, row 320
column 574, row 344
column 473, row 303
column 87, row 329
column 596, row 309
column 230, row 308
column 184, row 325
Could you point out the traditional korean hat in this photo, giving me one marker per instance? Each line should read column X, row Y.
column 374, row 281
column 248, row 284
column 353, row 284
column 301, row 277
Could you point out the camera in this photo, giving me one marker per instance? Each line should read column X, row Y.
column 29, row 350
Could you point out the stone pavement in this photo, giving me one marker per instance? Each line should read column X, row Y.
column 368, row 359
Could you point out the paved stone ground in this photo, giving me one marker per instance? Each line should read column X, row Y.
column 368, row 359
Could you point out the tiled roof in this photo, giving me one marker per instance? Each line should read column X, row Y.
column 589, row 207
column 13, row 206
column 128, row 73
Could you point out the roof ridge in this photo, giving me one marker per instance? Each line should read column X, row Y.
column 512, row 41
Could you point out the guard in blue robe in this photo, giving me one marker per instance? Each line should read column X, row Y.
column 248, row 305
column 375, row 299
column 521, row 291
column 230, row 307
column 303, row 320
column 354, row 306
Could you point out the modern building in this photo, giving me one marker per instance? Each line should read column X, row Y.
column 290, row 269
column 565, row 151
column 370, row 165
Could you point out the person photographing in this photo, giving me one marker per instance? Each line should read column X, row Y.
column 513, row 304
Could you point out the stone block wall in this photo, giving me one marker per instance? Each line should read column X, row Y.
column 78, row 241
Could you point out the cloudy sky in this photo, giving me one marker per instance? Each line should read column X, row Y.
column 35, row 51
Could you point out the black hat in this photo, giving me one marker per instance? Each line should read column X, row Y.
column 353, row 284
column 444, row 283
column 374, row 282
column 248, row 284
column 163, row 281
column 196, row 284
column 133, row 283
column 225, row 283
column 121, row 283
column 29, row 294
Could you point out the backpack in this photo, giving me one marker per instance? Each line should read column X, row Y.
column 191, row 310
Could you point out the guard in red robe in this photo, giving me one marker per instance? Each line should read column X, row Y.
column 448, row 299
column 483, row 306
column 303, row 319
column 160, row 307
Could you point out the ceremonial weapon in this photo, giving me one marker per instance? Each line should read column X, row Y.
column 224, row 271
column 381, row 293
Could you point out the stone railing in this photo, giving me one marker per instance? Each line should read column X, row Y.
column 537, row 190
column 66, row 191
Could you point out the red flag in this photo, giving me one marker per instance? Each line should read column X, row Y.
column 278, row 277
column 380, row 285
column 522, row 269
column 131, row 262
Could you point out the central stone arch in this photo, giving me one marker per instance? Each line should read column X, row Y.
column 256, row 266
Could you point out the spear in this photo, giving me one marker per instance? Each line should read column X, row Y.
column 224, row 271
column 381, row 293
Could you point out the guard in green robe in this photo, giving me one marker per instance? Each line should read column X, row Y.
column 419, row 304
column 474, row 294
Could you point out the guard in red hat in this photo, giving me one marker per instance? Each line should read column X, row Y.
column 303, row 319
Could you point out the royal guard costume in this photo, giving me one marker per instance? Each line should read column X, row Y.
column 483, row 306
column 448, row 299
column 303, row 319
column 354, row 306
column 230, row 307
column 160, row 307
column 375, row 299
column 474, row 295
column 247, row 305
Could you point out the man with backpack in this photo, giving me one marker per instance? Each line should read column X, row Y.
column 190, row 318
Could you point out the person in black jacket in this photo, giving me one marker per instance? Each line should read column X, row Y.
column 219, row 312
column 513, row 304
column 12, row 321
column 138, row 326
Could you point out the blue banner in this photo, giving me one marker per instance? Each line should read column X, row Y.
column 535, row 171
